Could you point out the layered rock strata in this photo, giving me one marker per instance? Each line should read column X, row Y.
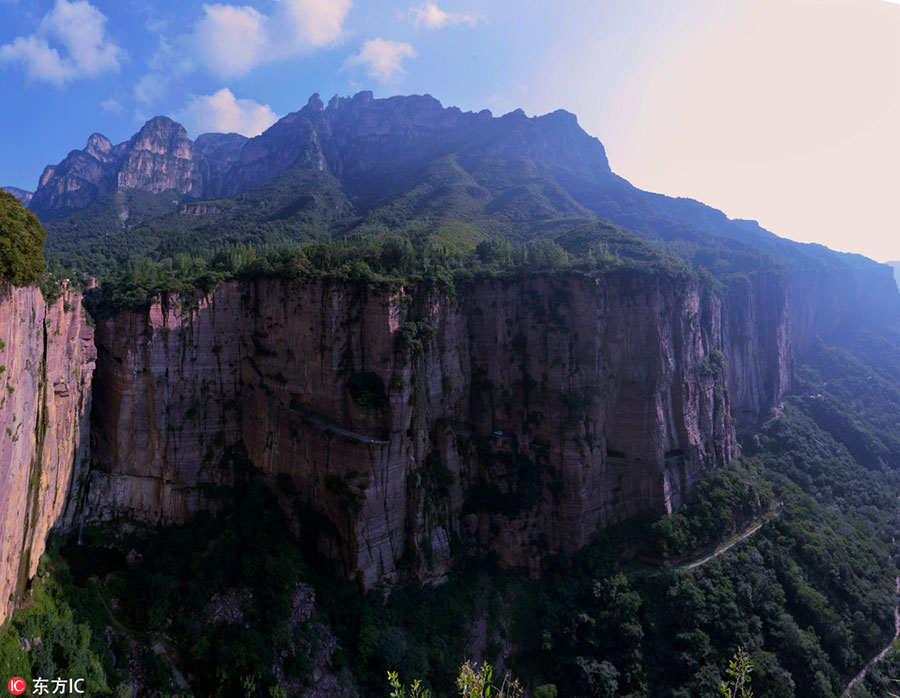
column 518, row 417
column 46, row 364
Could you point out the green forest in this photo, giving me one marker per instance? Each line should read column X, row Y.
column 21, row 243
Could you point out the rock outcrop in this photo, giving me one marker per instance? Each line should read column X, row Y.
column 158, row 158
column 519, row 417
column 46, row 365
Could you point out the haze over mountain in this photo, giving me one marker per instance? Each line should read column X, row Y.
column 392, row 385
column 362, row 162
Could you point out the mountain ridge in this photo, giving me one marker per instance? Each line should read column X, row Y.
column 361, row 165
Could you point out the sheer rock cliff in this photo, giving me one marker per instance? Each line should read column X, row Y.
column 517, row 417
column 47, row 362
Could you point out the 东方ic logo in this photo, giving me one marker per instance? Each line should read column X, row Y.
column 17, row 686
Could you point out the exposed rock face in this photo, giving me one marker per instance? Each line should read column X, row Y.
column 48, row 360
column 518, row 417
column 159, row 158
column 759, row 344
column 21, row 194
column 534, row 413
column 348, row 138
column 77, row 182
column 218, row 152
column 363, row 135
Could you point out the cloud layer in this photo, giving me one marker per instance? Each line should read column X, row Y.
column 381, row 58
column 77, row 27
column 222, row 112
column 430, row 16
column 231, row 40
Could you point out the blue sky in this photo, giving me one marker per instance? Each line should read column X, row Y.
column 781, row 110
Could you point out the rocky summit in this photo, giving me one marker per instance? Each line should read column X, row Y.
column 348, row 137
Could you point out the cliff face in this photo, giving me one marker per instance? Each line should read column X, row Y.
column 160, row 157
column 519, row 417
column 47, row 360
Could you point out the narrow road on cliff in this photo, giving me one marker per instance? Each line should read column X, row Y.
column 725, row 548
column 356, row 436
column 774, row 512
column 878, row 657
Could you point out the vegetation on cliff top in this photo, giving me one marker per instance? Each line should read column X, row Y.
column 444, row 256
column 21, row 243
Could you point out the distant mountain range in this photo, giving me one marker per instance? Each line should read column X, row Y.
column 362, row 164
column 21, row 194
column 896, row 266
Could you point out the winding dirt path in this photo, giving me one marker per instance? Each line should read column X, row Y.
column 878, row 657
column 724, row 549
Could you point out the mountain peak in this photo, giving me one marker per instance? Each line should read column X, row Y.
column 98, row 145
column 350, row 137
column 161, row 126
column 315, row 103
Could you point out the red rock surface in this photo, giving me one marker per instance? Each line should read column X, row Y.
column 559, row 405
column 48, row 360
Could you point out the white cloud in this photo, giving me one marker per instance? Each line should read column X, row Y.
column 431, row 16
column 150, row 87
column 223, row 113
column 40, row 61
column 112, row 106
column 381, row 58
column 233, row 39
column 170, row 60
column 80, row 28
column 317, row 22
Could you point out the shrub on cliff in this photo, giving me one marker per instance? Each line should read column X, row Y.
column 21, row 243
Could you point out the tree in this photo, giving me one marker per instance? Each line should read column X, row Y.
column 739, row 669
column 472, row 682
column 21, row 243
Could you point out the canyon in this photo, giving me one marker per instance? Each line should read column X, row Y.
column 516, row 417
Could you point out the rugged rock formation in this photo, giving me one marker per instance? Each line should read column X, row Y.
column 46, row 364
column 519, row 417
column 159, row 158
column 362, row 135
column 218, row 152
column 351, row 137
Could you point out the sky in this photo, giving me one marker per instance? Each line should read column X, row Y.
column 782, row 111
